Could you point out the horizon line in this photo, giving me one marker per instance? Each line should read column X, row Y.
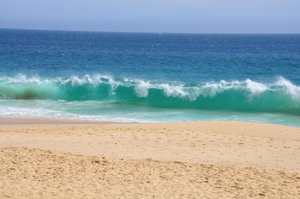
column 152, row 32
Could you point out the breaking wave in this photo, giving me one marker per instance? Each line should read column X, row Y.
column 281, row 96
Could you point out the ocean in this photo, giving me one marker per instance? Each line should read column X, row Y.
column 150, row 77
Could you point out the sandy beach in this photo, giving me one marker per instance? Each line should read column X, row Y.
column 39, row 159
column 149, row 99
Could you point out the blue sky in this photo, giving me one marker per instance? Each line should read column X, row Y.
column 194, row 16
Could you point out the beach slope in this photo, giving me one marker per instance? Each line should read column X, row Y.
column 163, row 160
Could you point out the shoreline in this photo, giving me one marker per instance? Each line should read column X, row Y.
column 45, row 121
column 65, row 121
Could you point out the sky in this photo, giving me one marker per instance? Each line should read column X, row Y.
column 177, row 16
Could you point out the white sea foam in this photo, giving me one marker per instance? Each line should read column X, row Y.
column 173, row 90
column 39, row 112
column 141, row 88
column 255, row 88
column 290, row 88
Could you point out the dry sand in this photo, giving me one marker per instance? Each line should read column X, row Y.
column 166, row 160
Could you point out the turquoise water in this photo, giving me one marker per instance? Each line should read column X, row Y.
column 131, row 77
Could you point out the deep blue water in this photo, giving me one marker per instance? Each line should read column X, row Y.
column 150, row 77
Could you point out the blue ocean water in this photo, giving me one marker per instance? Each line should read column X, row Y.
column 148, row 77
